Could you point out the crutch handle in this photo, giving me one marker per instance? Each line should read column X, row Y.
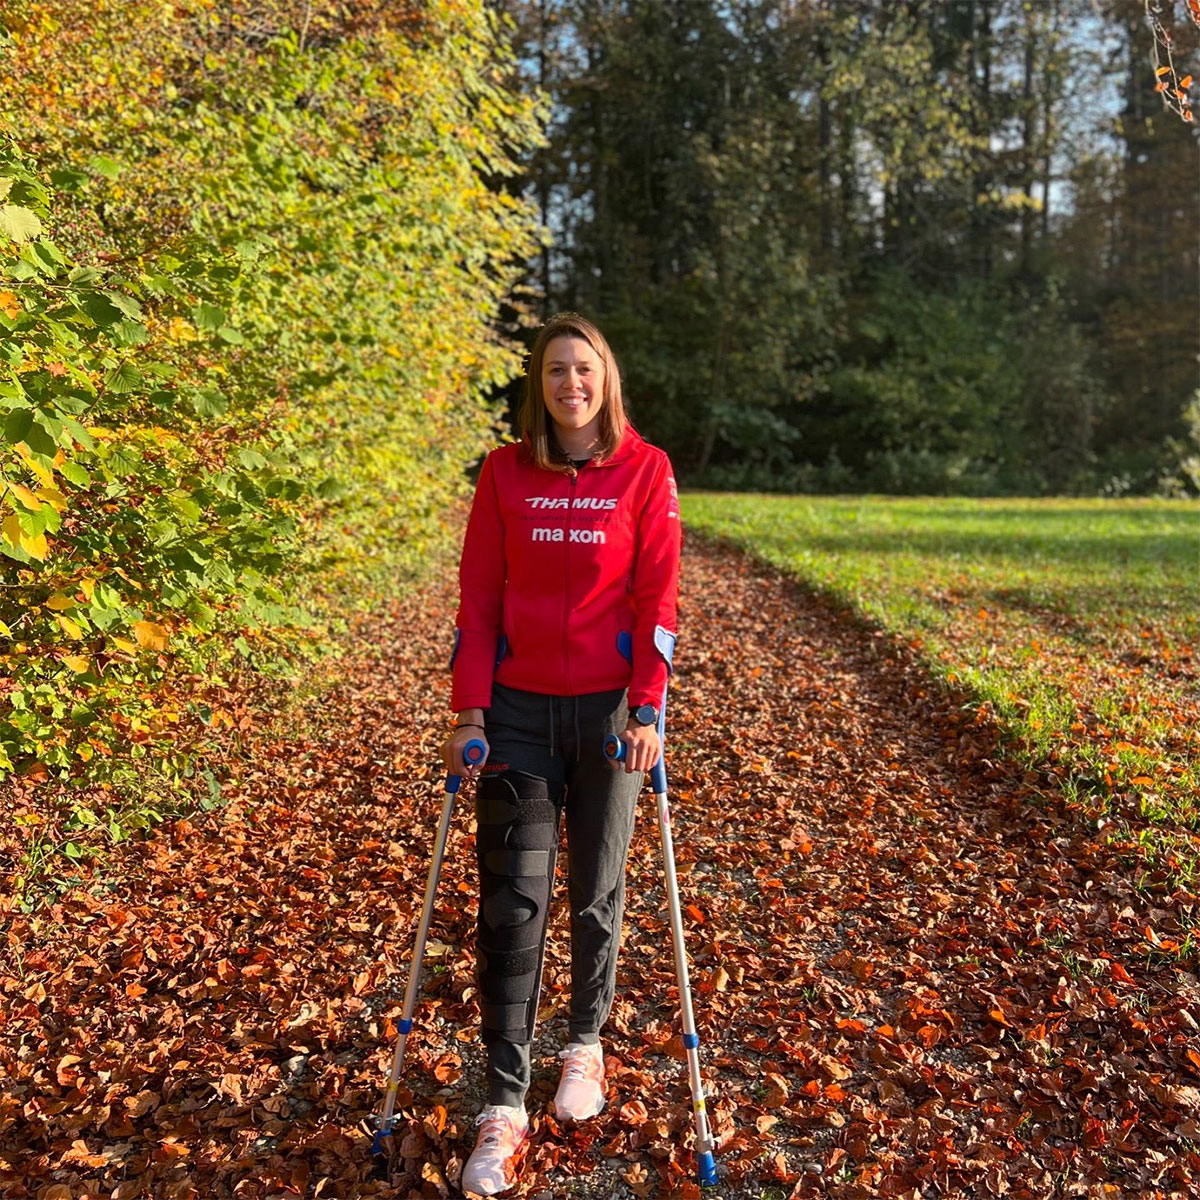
column 614, row 751
column 473, row 753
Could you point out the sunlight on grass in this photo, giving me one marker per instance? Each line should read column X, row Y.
column 1076, row 621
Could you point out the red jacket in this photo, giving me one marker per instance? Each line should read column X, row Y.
column 567, row 583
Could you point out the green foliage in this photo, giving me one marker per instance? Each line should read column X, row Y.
column 246, row 351
column 1181, row 473
column 952, row 392
column 925, row 405
column 876, row 246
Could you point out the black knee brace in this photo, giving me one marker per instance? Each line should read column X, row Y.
column 515, row 841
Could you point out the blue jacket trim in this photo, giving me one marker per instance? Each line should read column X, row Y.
column 664, row 643
column 625, row 646
column 501, row 648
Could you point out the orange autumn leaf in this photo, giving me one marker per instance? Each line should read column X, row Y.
column 150, row 636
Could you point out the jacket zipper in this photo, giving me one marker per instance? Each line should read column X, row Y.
column 567, row 582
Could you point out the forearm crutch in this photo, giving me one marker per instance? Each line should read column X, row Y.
column 614, row 749
column 473, row 753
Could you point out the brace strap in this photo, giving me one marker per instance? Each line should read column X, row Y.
column 504, row 1016
column 509, row 964
column 517, row 864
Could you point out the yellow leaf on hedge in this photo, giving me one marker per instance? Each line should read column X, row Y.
column 43, row 473
column 12, row 529
column 77, row 662
column 37, row 546
column 26, row 497
column 9, row 304
column 85, row 752
column 87, row 587
column 153, row 637
column 60, row 602
column 69, row 627
column 125, row 644
column 53, row 497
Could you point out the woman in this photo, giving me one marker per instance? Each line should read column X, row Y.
column 565, row 626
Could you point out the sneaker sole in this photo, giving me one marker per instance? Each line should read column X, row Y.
column 561, row 1116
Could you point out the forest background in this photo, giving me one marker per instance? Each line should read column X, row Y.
column 271, row 265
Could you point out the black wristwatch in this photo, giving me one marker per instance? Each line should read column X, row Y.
column 644, row 714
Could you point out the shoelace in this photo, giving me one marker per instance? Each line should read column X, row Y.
column 493, row 1124
column 576, row 1070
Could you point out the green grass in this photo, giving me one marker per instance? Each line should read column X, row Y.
column 1076, row 621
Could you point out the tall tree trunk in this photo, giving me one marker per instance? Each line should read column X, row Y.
column 824, row 146
column 541, row 172
column 985, row 226
column 1028, row 139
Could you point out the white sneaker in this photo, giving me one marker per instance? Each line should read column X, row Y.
column 581, row 1090
column 491, row 1169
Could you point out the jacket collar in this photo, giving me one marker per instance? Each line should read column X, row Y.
column 631, row 443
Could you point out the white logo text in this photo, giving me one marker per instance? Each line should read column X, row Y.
column 576, row 535
column 594, row 502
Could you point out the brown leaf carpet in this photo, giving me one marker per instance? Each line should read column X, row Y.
column 916, row 974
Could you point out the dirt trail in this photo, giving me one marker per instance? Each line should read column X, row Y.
column 913, row 975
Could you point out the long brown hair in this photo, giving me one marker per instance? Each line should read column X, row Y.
column 537, row 426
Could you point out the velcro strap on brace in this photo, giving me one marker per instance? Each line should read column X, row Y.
column 511, row 964
column 503, row 1017
column 491, row 809
column 518, row 864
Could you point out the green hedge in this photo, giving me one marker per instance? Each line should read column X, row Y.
column 248, row 284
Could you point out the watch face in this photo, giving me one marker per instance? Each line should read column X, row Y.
column 645, row 714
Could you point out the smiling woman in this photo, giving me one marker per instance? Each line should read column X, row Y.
column 565, row 626
column 573, row 389
column 573, row 381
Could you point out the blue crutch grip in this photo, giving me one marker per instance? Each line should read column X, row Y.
column 473, row 753
column 658, row 778
column 614, row 751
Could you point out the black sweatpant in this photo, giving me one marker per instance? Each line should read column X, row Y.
column 546, row 758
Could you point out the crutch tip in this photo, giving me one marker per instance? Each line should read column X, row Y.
column 708, row 1170
column 379, row 1142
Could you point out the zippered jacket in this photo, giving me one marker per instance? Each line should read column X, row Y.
column 568, row 583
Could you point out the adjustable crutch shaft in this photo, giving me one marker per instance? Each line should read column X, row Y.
column 691, row 1040
column 473, row 753
column 615, row 749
